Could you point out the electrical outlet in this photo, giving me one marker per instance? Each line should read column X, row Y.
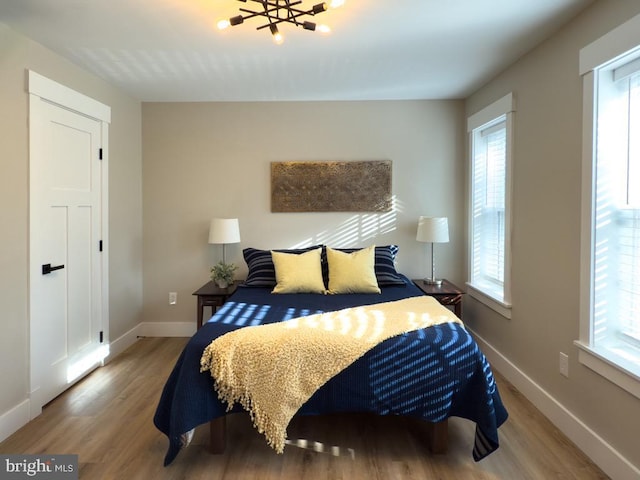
column 173, row 298
column 564, row 364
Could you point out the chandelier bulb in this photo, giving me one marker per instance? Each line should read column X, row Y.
column 336, row 3
column 222, row 24
column 277, row 36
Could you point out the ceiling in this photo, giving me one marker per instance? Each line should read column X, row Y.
column 171, row 50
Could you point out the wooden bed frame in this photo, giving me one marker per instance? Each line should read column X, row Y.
column 437, row 436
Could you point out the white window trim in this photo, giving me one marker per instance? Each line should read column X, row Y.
column 493, row 303
column 614, row 368
column 504, row 106
column 607, row 49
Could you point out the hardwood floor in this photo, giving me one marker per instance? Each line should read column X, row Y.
column 107, row 420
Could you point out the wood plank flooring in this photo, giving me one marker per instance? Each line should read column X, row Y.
column 107, row 420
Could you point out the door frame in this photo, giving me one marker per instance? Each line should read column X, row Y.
column 41, row 88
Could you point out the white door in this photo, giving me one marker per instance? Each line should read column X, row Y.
column 65, row 248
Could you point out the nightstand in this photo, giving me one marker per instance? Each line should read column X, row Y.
column 211, row 295
column 447, row 294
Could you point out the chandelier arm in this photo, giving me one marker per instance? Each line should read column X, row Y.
column 278, row 21
column 252, row 14
column 276, row 8
column 277, row 3
column 265, row 4
column 272, row 13
column 264, row 13
column 291, row 19
column 292, row 13
column 302, row 12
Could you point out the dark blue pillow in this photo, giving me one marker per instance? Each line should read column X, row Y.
column 384, row 266
column 262, row 272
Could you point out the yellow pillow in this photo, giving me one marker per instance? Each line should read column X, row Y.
column 298, row 273
column 352, row 272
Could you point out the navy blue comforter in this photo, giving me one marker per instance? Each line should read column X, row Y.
column 430, row 374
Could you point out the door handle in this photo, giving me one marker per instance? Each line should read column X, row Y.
column 47, row 268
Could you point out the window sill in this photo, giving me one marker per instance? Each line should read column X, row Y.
column 490, row 301
column 622, row 371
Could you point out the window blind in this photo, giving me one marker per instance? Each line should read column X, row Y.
column 488, row 197
column 617, row 229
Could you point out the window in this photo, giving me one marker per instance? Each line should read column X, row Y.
column 616, row 282
column 610, row 291
column 490, row 134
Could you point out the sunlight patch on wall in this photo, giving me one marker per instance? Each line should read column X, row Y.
column 357, row 229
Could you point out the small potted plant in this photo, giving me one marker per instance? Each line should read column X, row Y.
column 222, row 274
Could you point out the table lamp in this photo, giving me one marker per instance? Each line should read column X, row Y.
column 433, row 230
column 223, row 231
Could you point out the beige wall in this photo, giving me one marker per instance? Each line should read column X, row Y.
column 17, row 54
column 546, row 229
column 205, row 160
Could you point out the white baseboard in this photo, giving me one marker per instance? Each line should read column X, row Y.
column 149, row 329
column 604, row 455
column 14, row 419
column 167, row 329
column 121, row 343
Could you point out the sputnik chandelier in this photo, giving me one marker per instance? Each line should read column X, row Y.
column 282, row 11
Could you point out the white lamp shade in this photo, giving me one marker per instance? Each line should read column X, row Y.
column 224, row 230
column 433, row 230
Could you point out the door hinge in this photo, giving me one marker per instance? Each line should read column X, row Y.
column 100, row 154
column 100, row 246
column 101, row 336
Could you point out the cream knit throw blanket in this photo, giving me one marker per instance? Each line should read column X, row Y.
column 273, row 369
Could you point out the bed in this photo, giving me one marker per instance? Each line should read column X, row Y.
column 429, row 374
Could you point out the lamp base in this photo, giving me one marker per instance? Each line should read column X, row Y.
column 433, row 281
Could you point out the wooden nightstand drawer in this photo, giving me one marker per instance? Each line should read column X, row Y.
column 446, row 293
column 211, row 295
